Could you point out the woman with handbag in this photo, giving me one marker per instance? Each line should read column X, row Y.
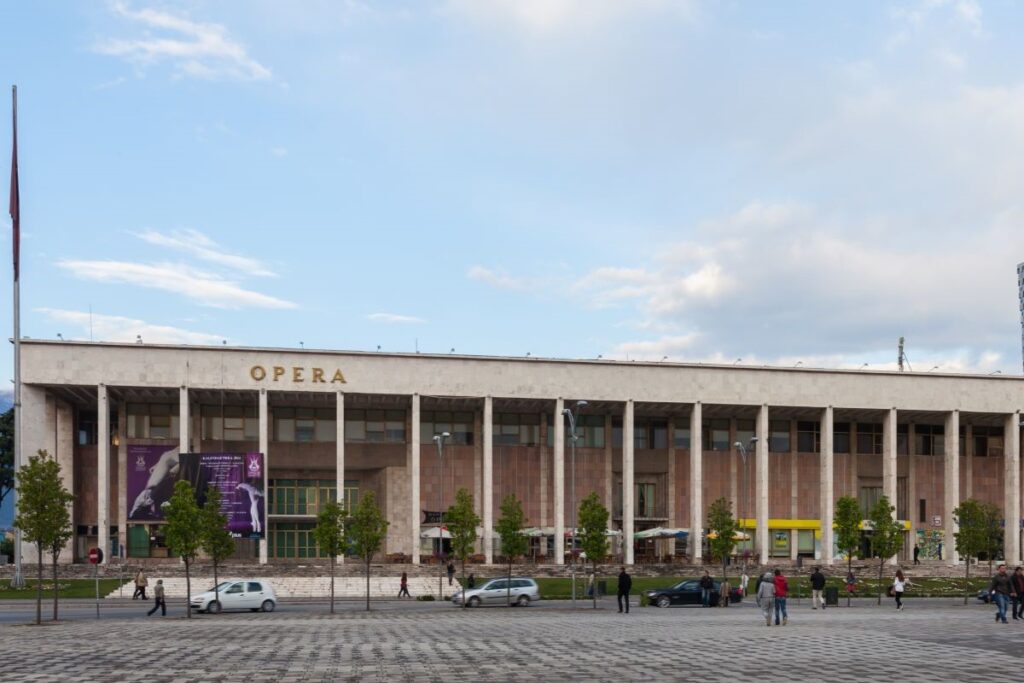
column 899, row 585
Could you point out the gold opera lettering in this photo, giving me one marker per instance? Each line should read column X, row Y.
column 277, row 372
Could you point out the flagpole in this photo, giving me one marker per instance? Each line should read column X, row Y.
column 19, row 580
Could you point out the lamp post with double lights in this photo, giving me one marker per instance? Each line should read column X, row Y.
column 439, row 440
column 743, row 454
column 573, row 418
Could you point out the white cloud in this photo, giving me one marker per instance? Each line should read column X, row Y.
column 393, row 318
column 500, row 280
column 675, row 347
column 199, row 245
column 200, row 50
column 546, row 17
column 119, row 329
column 204, row 288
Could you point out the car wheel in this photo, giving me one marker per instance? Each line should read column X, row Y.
column 214, row 607
column 267, row 606
column 474, row 601
column 663, row 601
column 523, row 601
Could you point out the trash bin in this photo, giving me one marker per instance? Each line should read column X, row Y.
column 831, row 596
column 602, row 587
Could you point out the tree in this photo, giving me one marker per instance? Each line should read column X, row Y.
column 886, row 535
column 723, row 530
column 513, row 543
column 993, row 517
column 329, row 533
column 6, row 454
column 367, row 529
column 592, row 519
column 184, row 531
column 43, row 516
column 974, row 535
column 846, row 520
column 216, row 540
column 462, row 524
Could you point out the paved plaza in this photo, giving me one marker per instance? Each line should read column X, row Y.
column 932, row 640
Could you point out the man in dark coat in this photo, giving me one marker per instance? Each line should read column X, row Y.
column 625, row 584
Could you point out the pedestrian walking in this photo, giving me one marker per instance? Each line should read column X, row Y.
column 899, row 585
column 1002, row 589
column 1018, row 586
column 766, row 596
column 625, row 584
column 917, row 554
column 744, row 580
column 851, row 582
column 471, row 581
column 140, row 585
column 781, row 593
column 451, row 573
column 706, row 585
column 160, row 603
column 403, row 586
column 817, row 588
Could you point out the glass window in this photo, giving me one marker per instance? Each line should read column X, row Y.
column 841, row 437
column 778, row 436
column 152, row 421
column 902, row 439
column 745, row 431
column 458, row 424
column 716, row 434
column 808, row 437
column 644, row 498
column 641, row 432
column 255, row 587
column 869, row 438
column 681, row 436
column 593, row 430
column 659, row 434
column 988, row 441
column 230, row 423
column 616, row 432
column 514, row 429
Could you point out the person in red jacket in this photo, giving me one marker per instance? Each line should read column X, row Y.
column 1017, row 581
column 781, row 591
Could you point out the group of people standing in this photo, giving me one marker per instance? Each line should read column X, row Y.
column 772, row 592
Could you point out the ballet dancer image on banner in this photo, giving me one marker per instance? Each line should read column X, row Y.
column 254, row 505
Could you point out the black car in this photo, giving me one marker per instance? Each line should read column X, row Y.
column 688, row 593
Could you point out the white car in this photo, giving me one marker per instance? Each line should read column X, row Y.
column 250, row 594
column 520, row 590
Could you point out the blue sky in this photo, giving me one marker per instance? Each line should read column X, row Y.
column 702, row 180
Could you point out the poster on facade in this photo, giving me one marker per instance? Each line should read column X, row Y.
column 240, row 478
column 152, row 472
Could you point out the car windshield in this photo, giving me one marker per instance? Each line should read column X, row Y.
column 221, row 586
column 685, row 586
column 492, row 585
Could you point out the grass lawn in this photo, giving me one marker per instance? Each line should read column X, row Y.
column 69, row 588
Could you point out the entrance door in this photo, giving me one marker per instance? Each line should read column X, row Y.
column 138, row 541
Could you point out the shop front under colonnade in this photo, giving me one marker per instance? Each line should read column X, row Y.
column 656, row 441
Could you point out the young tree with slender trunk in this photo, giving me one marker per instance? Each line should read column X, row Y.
column 367, row 529
column 184, row 531
column 886, row 535
column 44, row 516
column 462, row 524
column 722, row 533
column 847, row 521
column 216, row 539
column 972, row 537
column 329, row 533
column 593, row 528
column 513, row 543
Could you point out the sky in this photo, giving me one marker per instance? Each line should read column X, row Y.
column 795, row 183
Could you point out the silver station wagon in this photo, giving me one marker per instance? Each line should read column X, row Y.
column 494, row 592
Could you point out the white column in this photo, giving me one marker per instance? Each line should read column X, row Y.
column 265, row 450
column 339, row 453
column 103, row 470
column 488, row 485
column 414, row 479
column 184, row 442
column 1011, row 487
column 761, row 483
column 696, row 485
column 559, row 467
column 889, row 463
column 951, row 484
column 122, row 477
column 627, row 481
column 827, row 490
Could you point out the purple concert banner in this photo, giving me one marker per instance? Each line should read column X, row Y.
column 152, row 472
column 240, row 478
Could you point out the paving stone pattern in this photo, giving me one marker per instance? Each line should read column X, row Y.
column 498, row 644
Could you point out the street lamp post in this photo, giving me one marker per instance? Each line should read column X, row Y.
column 439, row 441
column 573, row 418
column 743, row 454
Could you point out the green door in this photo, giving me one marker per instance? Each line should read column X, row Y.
column 138, row 541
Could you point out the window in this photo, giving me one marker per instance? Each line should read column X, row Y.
column 682, row 433
column 745, row 431
column 902, row 439
column 230, row 423
column 304, row 425
column 303, row 497
column 988, row 441
column 778, row 437
column 644, row 506
column 458, row 424
column 869, row 438
column 375, row 426
column 808, row 437
column 590, row 429
column 922, row 513
column 255, row 587
column 512, row 429
column 87, row 428
column 841, row 437
column 292, row 540
column 716, row 434
column 152, row 421
column 929, row 440
column 869, row 495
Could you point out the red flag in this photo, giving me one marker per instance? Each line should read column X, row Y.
column 15, row 208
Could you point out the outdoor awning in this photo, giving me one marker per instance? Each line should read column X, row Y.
column 608, row 532
column 661, row 532
column 738, row 536
column 434, row 532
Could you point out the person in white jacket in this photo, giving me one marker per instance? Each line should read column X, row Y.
column 766, row 596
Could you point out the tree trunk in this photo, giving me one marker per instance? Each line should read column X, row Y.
column 881, row 563
column 56, row 588
column 465, row 603
column 593, row 582
column 39, row 585
column 332, row 585
column 216, row 592
column 967, row 578
column 368, row 556
column 508, row 586
column 849, row 570
column 188, row 590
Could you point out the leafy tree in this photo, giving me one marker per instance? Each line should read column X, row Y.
column 993, row 517
column 886, row 535
column 367, row 529
column 975, row 535
column 216, row 540
column 44, row 516
column 592, row 519
column 513, row 543
column 462, row 524
column 184, row 531
column 6, row 454
column 723, row 527
column 329, row 533
column 846, row 520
